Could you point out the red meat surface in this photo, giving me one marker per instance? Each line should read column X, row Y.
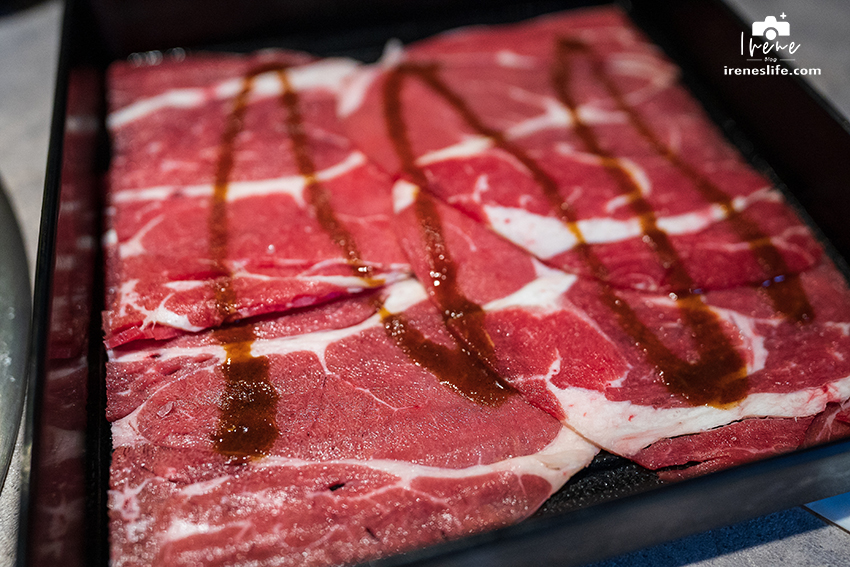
column 168, row 143
column 590, row 208
column 353, row 310
column 374, row 455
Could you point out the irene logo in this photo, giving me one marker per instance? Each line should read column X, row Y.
column 767, row 48
column 772, row 49
column 771, row 29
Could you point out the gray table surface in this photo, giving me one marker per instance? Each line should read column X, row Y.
column 28, row 54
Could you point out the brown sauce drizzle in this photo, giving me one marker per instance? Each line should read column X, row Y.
column 470, row 368
column 246, row 429
column 318, row 197
column 456, row 368
column 718, row 377
column 783, row 288
column 225, row 299
column 463, row 317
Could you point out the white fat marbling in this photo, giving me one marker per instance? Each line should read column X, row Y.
column 292, row 185
column 625, row 428
column 324, row 74
column 404, row 195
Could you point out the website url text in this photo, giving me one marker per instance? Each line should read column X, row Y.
column 769, row 70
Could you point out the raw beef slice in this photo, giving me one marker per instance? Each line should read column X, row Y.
column 686, row 295
column 587, row 245
column 372, row 453
column 259, row 136
column 570, row 130
column 556, row 339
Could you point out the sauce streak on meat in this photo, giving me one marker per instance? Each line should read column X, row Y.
column 246, row 429
column 717, row 378
column 456, row 368
column 318, row 197
column 462, row 316
column 783, row 288
column 719, row 365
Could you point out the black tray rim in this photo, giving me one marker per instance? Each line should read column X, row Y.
column 515, row 545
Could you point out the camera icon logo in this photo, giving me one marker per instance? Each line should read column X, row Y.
column 771, row 29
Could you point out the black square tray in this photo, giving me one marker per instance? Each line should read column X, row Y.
column 612, row 507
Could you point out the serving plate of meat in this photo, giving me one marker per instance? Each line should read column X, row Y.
column 372, row 292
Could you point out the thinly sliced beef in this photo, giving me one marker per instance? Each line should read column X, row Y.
column 177, row 150
column 577, row 123
column 687, row 296
column 594, row 267
column 742, row 442
column 734, row 444
column 555, row 338
column 373, row 455
column 58, row 514
column 830, row 425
